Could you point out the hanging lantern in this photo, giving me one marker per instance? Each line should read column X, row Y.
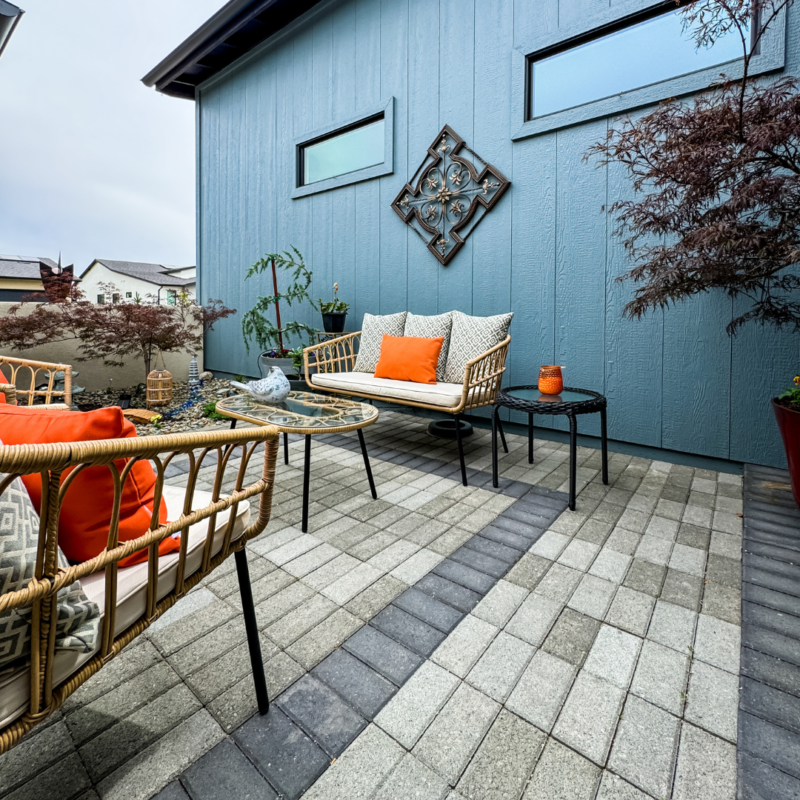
column 159, row 386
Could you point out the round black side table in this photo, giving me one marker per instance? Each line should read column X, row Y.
column 570, row 402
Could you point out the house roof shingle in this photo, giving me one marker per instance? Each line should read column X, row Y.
column 23, row 267
column 157, row 274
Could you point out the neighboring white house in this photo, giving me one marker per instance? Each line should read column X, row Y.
column 133, row 278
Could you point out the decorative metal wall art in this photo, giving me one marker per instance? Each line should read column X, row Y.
column 449, row 195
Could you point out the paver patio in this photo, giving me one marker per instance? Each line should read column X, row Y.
column 514, row 649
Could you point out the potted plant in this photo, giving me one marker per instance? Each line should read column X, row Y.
column 334, row 312
column 258, row 327
column 787, row 411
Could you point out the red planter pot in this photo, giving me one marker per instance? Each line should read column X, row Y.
column 789, row 423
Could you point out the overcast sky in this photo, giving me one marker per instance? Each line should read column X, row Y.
column 92, row 162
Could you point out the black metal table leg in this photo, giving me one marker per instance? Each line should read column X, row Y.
column 461, row 452
column 225, row 451
column 573, row 458
column 285, row 448
column 604, row 444
column 366, row 463
column 530, row 438
column 306, row 476
column 502, row 433
column 495, row 481
column 251, row 628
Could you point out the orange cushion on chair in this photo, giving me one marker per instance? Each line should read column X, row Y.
column 409, row 358
column 2, row 397
column 86, row 507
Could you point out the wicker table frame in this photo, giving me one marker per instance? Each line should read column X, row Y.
column 595, row 403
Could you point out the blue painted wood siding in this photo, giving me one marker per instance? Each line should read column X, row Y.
column 674, row 380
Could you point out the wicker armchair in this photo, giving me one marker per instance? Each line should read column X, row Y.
column 14, row 371
column 131, row 599
column 482, row 378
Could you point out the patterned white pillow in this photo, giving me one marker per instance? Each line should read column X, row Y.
column 78, row 625
column 432, row 328
column 470, row 338
column 372, row 331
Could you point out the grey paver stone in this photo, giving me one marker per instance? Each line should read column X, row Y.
column 610, row 565
column 311, row 560
column 713, row 700
column 465, row 645
column 718, row 643
column 593, row 596
column 360, row 770
column 645, row 577
column 562, row 774
column 589, row 717
column 291, row 550
column 500, row 604
column 541, row 690
column 725, row 544
column 411, row 710
column 418, row 565
column 688, row 559
column 376, row 597
column 661, row 676
column 394, row 554
column 579, row 554
column 682, row 589
column 448, row 744
column 571, row 637
column 500, row 666
column 412, row 780
column 631, row 610
column 613, row 656
column 224, row 771
column 300, row 620
column 549, row 545
column 65, row 778
column 706, row 767
column 504, row 760
column 723, row 602
column 34, row 754
column 528, row 571
column 559, row 583
column 672, row 626
column 645, row 747
column 534, row 618
column 623, row 541
column 612, row 787
column 662, row 528
column 332, row 571
column 281, row 603
column 348, row 586
column 654, row 550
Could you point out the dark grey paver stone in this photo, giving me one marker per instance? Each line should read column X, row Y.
column 760, row 781
column 172, row 791
column 781, row 567
column 428, row 609
column 479, row 561
column 771, row 599
column 770, row 704
column 282, row 752
column 767, row 742
column 771, row 551
column 322, row 714
column 682, row 589
column 520, row 528
column 514, row 540
column 772, row 671
column 223, row 773
column 401, row 626
column 775, row 644
column 386, row 656
column 786, row 624
column 453, row 594
column 770, row 580
column 571, row 637
column 465, row 576
column 529, row 514
column 355, row 682
column 488, row 547
column 645, row 577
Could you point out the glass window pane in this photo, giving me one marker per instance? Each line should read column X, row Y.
column 357, row 149
column 642, row 54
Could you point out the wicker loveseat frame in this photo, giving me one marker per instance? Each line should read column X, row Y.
column 51, row 460
column 19, row 371
column 482, row 378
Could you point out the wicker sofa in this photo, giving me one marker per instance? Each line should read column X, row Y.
column 19, row 371
column 334, row 363
column 212, row 526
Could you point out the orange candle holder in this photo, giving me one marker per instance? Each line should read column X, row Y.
column 550, row 380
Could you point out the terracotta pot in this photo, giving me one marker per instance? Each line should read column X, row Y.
column 789, row 424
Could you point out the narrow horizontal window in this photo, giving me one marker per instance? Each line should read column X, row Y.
column 647, row 50
column 347, row 150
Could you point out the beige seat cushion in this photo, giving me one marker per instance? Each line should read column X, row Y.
column 131, row 594
column 445, row 395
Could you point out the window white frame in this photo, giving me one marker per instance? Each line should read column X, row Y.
column 771, row 57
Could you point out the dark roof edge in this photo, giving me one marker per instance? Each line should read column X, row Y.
column 187, row 48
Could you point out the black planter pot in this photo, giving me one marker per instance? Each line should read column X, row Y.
column 333, row 321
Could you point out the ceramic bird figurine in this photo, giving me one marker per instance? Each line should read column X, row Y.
column 274, row 388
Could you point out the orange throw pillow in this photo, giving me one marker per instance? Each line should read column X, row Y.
column 2, row 397
column 409, row 358
column 86, row 509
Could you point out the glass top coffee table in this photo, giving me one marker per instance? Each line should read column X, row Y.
column 305, row 413
column 571, row 402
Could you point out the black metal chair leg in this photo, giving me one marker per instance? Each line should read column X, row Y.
column 530, row 438
column 366, row 463
column 502, row 433
column 251, row 627
column 285, row 448
column 573, row 458
column 461, row 452
column 495, row 481
column 306, row 477
column 604, row 444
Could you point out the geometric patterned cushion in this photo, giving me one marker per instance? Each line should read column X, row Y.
column 372, row 331
column 470, row 338
column 78, row 625
column 432, row 328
